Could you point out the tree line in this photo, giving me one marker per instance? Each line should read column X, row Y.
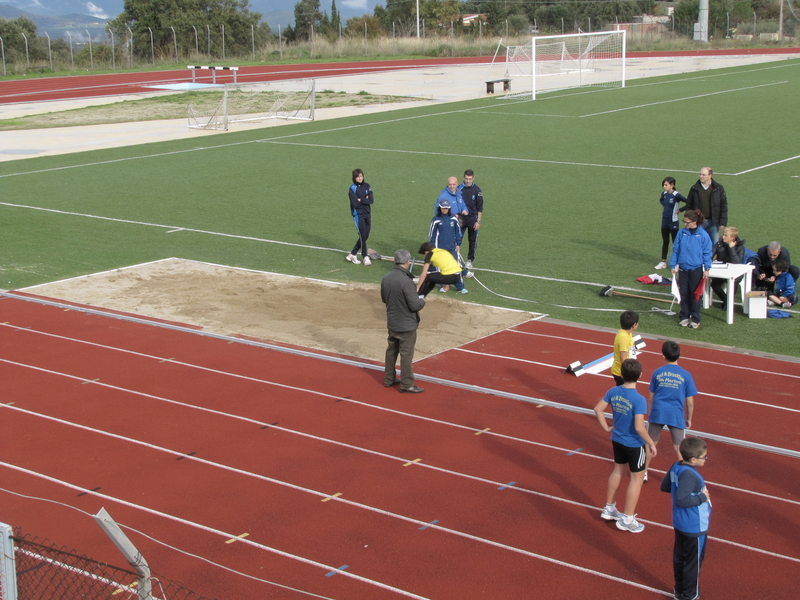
column 515, row 17
column 147, row 30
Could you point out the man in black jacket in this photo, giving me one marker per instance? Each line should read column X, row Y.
column 763, row 276
column 403, row 304
column 472, row 196
column 708, row 197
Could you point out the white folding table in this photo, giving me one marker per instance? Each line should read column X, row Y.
column 730, row 272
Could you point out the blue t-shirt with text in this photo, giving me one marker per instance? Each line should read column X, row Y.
column 626, row 403
column 670, row 385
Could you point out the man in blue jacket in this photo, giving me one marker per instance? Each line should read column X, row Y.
column 453, row 197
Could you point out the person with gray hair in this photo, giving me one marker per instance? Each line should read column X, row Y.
column 403, row 304
column 763, row 276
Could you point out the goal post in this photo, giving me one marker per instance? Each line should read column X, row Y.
column 256, row 102
column 557, row 62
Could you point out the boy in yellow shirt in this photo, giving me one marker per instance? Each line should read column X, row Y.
column 623, row 343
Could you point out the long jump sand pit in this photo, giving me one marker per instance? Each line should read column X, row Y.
column 347, row 319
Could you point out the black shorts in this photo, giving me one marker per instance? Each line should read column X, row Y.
column 633, row 457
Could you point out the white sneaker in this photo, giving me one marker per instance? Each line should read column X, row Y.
column 464, row 291
column 610, row 512
column 469, row 264
column 626, row 523
column 442, row 289
column 469, row 274
column 661, row 265
column 353, row 259
column 367, row 261
column 684, row 323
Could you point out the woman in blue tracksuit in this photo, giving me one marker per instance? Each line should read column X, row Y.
column 361, row 200
column 690, row 261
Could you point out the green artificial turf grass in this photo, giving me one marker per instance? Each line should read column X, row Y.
column 568, row 196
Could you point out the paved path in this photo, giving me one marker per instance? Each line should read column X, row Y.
column 430, row 84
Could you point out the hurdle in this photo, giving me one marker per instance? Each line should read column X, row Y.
column 602, row 363
column 213, row 70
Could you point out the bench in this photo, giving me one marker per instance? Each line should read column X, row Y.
column 490, row 85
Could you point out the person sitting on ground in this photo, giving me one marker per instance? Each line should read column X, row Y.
column 730, row 249
column 439, row 267
column 785, row 294
column 764, row 276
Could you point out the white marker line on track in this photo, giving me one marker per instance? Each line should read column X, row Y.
column 207, row 529
column 321, row 565
column 683, row 358
column 313, row 392
column 349, row 400
column 385, row 512
column 616, row 110
column 561, row 368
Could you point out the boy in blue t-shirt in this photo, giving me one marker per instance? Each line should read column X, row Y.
column 691, row 512
column 672, row 393
column 631, row 443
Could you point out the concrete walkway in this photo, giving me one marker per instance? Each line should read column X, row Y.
column 429, row 85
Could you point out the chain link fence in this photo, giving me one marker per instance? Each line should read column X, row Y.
column 46, row 571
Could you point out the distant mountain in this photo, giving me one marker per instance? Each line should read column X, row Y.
column 103, row 9
column 57, row 26
column 56, row 17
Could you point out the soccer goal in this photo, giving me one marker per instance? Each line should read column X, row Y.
column 255, row 102
column 558, row 62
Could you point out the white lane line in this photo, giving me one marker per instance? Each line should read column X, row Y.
column 173, row 228
column 368, row 507
column 644, row 383
column 560, row 450
column 225, row 535
column 683, row 358
column 475, row 156
column 772, row 164
column 616, row 110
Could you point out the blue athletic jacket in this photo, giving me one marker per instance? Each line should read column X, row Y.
column 360, row 199
column 445, row 233
column 784, row 285
column 691, row 509
column 457, row 205
column 692, row 249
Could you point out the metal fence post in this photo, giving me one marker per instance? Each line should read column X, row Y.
column 129, row 551
column 8, row 568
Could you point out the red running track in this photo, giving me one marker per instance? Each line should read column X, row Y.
column 195, row 440
column 116, row 84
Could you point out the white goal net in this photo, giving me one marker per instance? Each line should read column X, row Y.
column 560, row 62
column 254, row 102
